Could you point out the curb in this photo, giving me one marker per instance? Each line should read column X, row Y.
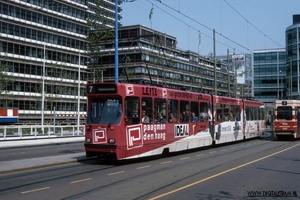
column 38, row 142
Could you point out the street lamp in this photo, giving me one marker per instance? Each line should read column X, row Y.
column 78, row 100
column 291, row 80
column 228, row 71
column 215, row 63
column 43, row 89
column 116, row 42
column 234, row 59
column 280, row 85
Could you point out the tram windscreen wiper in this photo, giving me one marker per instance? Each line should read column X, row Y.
column 102, row 106
column 116, row 116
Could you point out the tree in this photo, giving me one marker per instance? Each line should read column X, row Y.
column 53, row 89
column 97, row 22
column 5, row 83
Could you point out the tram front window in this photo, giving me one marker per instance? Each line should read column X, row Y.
column 284, row 113
column 105, row 111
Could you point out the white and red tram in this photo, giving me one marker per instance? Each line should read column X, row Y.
column 133, row 121
column 286, row 118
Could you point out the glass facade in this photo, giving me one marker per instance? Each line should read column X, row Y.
column 43, row 43
column 292, row 35
column 269, row 72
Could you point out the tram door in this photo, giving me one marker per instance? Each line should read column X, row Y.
column 298, row 121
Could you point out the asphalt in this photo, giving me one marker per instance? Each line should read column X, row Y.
column 35, row 163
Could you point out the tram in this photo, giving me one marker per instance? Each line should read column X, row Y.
column 130, row 121
column 286, row 118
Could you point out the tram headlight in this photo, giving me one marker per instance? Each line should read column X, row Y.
column 111, row 141
column 126, row 120
column 89, row 127
column 88, row 140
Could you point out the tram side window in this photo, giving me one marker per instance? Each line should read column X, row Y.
column 228, row 115
column 160, row 110
column 132, row 109
column 147, row 112
column 250, row 113
column 262, row 113
column 233, row 113
column 255, row 113
column 194, row 111
column 220, row 113
column 247, row 113
column 203, row 116
column 237, row 113
column 184, row 111
column 173, row 111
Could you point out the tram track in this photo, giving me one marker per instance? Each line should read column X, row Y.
column 206, row 168
column 7, row 182
column 12, row 181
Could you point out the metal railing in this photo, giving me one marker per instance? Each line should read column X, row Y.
column 36, row 131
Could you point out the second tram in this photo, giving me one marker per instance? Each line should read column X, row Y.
column 287, row 118
column 133, row 121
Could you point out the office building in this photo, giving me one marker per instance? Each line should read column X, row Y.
column 292, row 35
column 269, row 72
column 148, row 56
column 43, row 44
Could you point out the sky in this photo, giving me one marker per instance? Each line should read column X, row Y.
column 241, row 26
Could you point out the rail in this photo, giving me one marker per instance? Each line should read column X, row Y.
column 16, row 132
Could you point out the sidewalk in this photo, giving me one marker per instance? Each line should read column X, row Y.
column 35, row 163
column 39, row 141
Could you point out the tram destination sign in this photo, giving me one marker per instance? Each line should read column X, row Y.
column 102, row 89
